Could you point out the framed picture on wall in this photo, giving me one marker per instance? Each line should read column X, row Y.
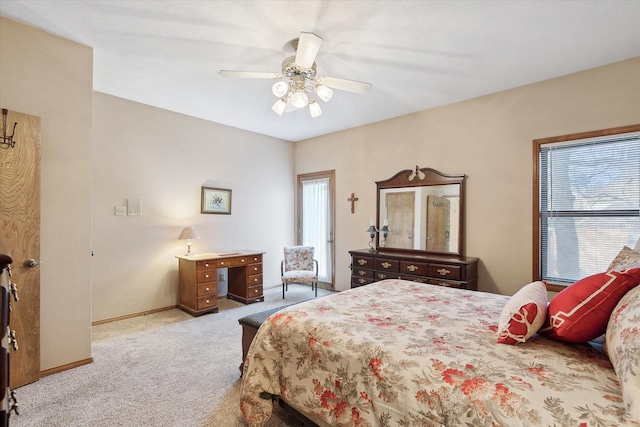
column 216, row 201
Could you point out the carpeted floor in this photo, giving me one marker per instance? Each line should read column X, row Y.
column 163, row 369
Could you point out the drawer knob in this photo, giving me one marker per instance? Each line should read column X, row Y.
column 242, row 260
column 385, row 264
column 382, row 276
column 362, row 261
column 206, row 289
column 207, row 301
column 255, row 268
column 221, row 262
column 206, row 276
column 362, row 272
column 206, row 264
column 362, row 281
column 255, row 280
column 412, row 268
column 256, row 291
column 443, row 271
column 445, row 284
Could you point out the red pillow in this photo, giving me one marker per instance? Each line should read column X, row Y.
column 580, row 312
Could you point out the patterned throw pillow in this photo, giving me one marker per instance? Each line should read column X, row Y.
column 523, row 314
column 623, row 348
column 627, row 259
column 580, row 312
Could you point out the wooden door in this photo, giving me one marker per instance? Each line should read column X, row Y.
column 437, row 224
column 20, row 226
column 400, row 214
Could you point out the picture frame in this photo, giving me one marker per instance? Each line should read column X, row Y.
column 215, row 201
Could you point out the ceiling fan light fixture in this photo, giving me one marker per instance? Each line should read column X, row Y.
column 299, row 99
column 279, row 106
column 325, row 93
column 314, row 109
column 280, row 88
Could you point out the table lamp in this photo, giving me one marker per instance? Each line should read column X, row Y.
column 189, row 233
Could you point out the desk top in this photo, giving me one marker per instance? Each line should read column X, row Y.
column 220, row 255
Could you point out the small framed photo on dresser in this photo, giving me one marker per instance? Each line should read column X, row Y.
column 216, row 201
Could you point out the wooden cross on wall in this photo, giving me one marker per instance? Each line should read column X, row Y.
column 353, row 199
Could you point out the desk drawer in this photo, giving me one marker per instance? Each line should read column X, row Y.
column 207, row 289
column 204, row 265
column 382, row 275
column 448, row 283
column 203, row 276
column 232, row 262
column 390, row 265
column 254, row 292
column 254, row 259
column 254, row 269
column 254, row 279
column 207, row 302
column 443, row 271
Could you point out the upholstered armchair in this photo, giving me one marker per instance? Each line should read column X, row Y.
column 299, row 266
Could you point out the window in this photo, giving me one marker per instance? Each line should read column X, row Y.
column 587, row 188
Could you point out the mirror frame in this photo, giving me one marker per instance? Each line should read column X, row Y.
column 431, row 177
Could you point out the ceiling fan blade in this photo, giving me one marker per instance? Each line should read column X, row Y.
column 344, row 84
column 249, row 74
column 307, row 50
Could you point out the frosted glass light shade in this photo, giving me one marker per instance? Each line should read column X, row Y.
column 325, row 93
column 279, row 106
column 280, row 88
column 314, row 109
column 299, row 99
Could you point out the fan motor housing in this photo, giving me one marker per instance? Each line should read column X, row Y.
column 290, row 68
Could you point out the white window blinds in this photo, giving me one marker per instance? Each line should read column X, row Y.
column 589, row 204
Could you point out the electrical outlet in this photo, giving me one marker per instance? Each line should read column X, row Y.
column 120, row 210
column 221, row 277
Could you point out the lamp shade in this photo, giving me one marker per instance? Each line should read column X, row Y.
column 189, row 233
column 314, row 108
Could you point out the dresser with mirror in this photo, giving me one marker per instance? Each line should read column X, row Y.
column 423, row 211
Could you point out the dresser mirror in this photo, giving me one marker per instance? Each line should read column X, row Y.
column 423, row 209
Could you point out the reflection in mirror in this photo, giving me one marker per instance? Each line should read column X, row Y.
column 422, row 214
column 424, row 218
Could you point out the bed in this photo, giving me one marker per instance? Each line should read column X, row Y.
column 399, row 353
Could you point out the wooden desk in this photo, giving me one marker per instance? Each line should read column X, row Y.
column 199, row 273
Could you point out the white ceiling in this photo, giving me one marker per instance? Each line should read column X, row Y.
column 417, row 54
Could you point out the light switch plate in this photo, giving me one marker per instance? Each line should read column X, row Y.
column 134, row 207
column 120, row 210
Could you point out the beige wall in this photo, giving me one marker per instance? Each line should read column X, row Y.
column 490, row 140
column 51, row 78
column 163, row 158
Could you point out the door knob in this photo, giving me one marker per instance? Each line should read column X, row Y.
column 30, row 262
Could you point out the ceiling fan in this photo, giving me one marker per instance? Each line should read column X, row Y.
column 298, row 78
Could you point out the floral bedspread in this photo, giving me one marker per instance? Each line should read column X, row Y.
column 398, row 353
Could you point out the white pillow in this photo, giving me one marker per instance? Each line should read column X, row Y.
column 623, row 348
column 524, row 314
column 627, row 259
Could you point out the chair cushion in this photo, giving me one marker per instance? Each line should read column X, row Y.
column 298, row 258
column 299, row 276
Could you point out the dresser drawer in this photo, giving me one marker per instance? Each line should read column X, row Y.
column 207, row 302
column 203, row 276
column 254, row 279
column 360, row 281
column 418, row 279
column 390, row 265
column 382, row 275
column 207, row 289
column 254, row 269
column 417, row 268
column 358, row 272
column 448, row 283
column 232, row 262
column 364, row 262
column 444, row 271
